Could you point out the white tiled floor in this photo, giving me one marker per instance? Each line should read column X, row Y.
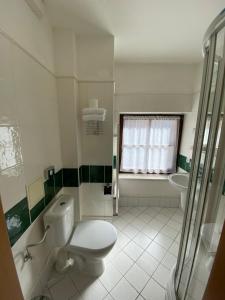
column 139, row 265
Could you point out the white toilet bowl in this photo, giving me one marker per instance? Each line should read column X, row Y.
column 90, row 243
column 87, row 244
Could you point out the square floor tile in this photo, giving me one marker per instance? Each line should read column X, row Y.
column 162, row 275
column 153, row 291
column 145, row 217
column 124, row 291
column 127, row 217
column 147, row 263
column 163, row 240
column 81, row 280
column 140, row 298
column 122, row 240
column 130, row 231
column 174, row 249
column 137, row 277
column 112, row 254
column 110, row 277
column 170, row 232
column 137, row 223
column 175, row 225
column 94, row 291
column 149, row 231
column 63, row 289
column 120, row 224
column 135, row 211
column 142, row 240
column 169, row 260
column 122, row 263
column 108, row 297
column 162, row 218
column 155, row 224
column 133, row 250
column 156, row 251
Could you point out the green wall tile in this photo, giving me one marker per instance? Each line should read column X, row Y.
column 80, row 175
column 37, row 209
column 17, row 220
column 108, row 174
column 97, row 174
column 85, row 173
column 49, row 190
column 70, row 177
column 182, row 161
column 58, row 181
column 114, row 162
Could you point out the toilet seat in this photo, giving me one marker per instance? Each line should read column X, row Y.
column 95, row 235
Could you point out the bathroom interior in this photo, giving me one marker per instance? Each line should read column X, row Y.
column 112, row 139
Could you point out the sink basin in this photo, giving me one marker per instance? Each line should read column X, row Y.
column 180, row 182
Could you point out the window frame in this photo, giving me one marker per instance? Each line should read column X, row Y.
column 146, row 115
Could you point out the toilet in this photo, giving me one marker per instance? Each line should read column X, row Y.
column 87, row 243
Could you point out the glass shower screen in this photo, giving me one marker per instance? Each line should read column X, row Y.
column 205, row 209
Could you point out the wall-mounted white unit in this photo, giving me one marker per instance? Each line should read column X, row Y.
column 93, row 116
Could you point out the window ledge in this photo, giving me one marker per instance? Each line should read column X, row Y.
column 144, row 176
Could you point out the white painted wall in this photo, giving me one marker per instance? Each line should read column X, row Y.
column 65, row 52
column 67, row 89
column 190, row 118
column 97, row 149
column 19, row 23
column 95, row 58
column 154, row 87
column 28, row 101
column 95, row 65
column 94, row 71
column 147, row 88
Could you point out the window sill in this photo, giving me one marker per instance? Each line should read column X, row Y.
column 144, row 176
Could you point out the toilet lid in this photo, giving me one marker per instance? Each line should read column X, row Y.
column 94, row 235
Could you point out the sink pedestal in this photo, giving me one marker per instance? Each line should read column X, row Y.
column 183, row 196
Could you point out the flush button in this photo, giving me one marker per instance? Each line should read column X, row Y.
column 62, row 203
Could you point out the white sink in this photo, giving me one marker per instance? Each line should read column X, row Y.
column 180, row 182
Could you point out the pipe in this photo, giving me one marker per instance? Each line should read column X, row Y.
column 28, row 256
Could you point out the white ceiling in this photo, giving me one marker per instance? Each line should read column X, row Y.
column 144, row 30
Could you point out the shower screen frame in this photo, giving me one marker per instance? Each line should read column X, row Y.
column 209, row 48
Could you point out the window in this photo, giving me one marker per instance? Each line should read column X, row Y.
column 149, row 144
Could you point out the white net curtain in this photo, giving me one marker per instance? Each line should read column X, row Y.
column 149, row 144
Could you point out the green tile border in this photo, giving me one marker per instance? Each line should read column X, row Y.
column 37, row 209
column 183, row 164
column 70, row 177
column 17, row 220
column 114, row 161
column 108, row 174
column 97, row 174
